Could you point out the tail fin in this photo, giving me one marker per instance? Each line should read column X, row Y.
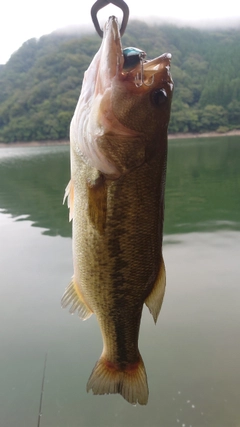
column 131, row 382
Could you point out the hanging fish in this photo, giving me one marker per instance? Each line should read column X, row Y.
column 118, row 140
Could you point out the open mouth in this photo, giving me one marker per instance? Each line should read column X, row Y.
column 131, row 62
column 143, row 70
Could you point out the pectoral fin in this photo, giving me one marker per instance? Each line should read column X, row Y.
column 97, row 201
column 69, row 194
column 73, row 297
column 155, row 298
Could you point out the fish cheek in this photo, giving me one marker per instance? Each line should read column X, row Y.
column 137, row 111
column 125, row 107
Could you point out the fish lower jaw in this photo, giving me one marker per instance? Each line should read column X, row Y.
column 112, row 25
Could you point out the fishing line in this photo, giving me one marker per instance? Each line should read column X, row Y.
column 41, row 396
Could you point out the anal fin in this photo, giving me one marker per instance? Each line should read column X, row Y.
column 155, row 298
column 73, row 297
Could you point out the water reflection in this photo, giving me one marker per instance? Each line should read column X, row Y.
column 192, row 354
column 202, row 193
column 32, row 186
column 203, row 185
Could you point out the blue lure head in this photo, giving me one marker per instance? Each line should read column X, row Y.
column 132, row 57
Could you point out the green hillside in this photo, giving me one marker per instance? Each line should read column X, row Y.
column 40, row 84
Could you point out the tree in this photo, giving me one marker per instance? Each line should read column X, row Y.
column 41, row 83
column 212, row 117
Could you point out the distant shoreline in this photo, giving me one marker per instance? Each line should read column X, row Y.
column 235, row 132
column 33, row 143
column 170, row 136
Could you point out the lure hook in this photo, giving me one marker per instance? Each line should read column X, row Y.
column 139, row 79
column 102, row 3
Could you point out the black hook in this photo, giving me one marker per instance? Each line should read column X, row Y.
column 102, row 3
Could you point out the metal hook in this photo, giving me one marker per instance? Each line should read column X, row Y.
column 139, row 80
column 102, row 3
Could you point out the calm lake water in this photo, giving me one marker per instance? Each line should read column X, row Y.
column 192, row 355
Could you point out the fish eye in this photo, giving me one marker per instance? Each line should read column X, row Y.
column 159, row 96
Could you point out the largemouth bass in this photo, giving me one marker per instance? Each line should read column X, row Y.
column 118, row 140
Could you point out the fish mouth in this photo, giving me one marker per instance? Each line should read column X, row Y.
column 115, row 63
column 151, row 72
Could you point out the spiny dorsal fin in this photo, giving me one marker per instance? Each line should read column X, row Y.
column 155, row 298
column 69, row 194
column 73, row 297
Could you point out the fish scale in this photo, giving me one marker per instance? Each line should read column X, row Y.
column 116, row 199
